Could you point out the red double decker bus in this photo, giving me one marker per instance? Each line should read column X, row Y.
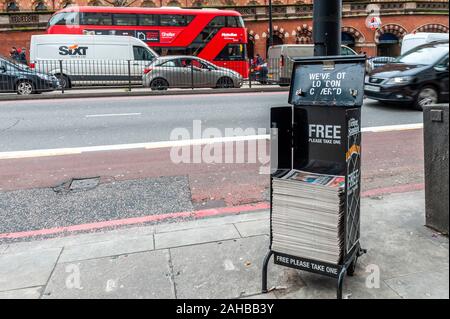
column 218, row 36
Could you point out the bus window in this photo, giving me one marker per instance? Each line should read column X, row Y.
column 64, row 18
column 148, row 19
column 125, row 19
column 232, row 22
column 232, row 52
column 217, row 22
column 175, row 20
column 96, row 18
column 142, row 54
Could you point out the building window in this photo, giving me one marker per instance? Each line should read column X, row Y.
column 148, row 3
column 40, row 6
column 66, row 4
column 173, row 3
column 12, row 6
column 95, row 3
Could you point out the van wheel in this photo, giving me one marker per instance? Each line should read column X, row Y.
column 64, row 81
column 24, row 88
column 427, row 96
column 159, row 85
column 225, row 83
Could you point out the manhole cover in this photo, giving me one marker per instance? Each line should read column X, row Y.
column 84, row 184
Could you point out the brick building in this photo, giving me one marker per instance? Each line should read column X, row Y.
column 292, row 20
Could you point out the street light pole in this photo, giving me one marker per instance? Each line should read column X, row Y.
column 270, row 24
column 327, row 27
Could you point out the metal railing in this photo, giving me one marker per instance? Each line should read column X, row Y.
column 63, row 75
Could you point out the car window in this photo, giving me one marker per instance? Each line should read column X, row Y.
column 443, row 63
column 426, row 55
column 185, row 62
column 200, row 64
column 169, row 64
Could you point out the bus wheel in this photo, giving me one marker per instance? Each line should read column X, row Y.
column 159, row 85
column 225, row 83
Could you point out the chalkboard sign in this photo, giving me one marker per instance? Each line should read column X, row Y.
column 330, row 81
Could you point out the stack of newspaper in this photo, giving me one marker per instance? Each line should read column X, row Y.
column 307, row 215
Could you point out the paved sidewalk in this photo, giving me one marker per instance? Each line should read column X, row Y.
column 221, row 258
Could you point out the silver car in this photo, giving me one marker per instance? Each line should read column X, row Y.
column 188, row 72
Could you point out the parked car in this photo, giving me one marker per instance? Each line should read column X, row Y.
column 419, row 77
column 16, row 77
column 188, row 71
column 280, row 60
column 90, row 59
column 413, row 40
column 379, row 61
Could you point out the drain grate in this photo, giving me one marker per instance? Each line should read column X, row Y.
column 83, row 184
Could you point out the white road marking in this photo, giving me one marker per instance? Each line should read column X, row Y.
column 389, row 128
column 117, row 114
column 168, row 144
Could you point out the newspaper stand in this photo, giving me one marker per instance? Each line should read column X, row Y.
column 327, row 92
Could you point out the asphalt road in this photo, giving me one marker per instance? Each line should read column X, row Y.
column 36, row 192
column 50, row 124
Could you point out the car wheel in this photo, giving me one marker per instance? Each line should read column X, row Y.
column 427, row 96
column 25, row 88
column 159, row 85
column 64, row 81
column 225, row 83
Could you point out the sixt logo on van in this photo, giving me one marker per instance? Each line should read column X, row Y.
column 73, row 50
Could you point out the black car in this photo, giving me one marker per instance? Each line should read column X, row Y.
column 419, row 77
column 16, row 77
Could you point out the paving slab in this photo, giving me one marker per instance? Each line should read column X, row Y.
column 212, row 221
column 424, row 285
column 195, row 236
column 228, row 269
column 139, row 276
column 27, row 269
column 26, row 293
column 81, row 238
column 253, row 228
column 118, row 246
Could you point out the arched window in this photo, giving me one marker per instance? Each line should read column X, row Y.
column 95, row 3
column 148, row 3
column 173, row 3
column 198, row 3
column 253, row 3
column 230, row 3
column 40, row 6
column 66, row 3
column 12, row 6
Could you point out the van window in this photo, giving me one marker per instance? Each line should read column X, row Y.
column 125, row 19
column 96, row 18
column 142, row 54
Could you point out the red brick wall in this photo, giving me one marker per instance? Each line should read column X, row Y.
column 19, row 39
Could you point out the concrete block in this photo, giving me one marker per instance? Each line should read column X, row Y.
column 436, row 126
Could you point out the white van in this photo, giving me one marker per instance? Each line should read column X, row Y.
column 410, row 41
column 90, row 59
column 280, row 60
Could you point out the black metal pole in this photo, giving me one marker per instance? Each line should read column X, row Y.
column 270, row 24
column 327, row 27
